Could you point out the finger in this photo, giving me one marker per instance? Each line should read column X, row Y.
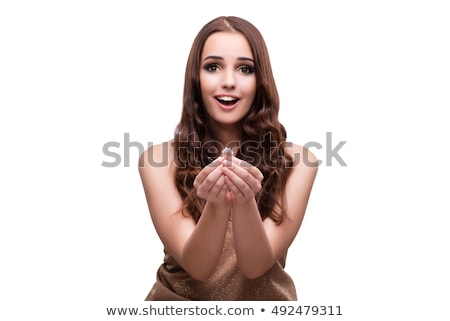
column 249, row 167
column 230, row 196
column 233, row 191
column 255, row 172
column 245, row 176
column 206, row 171
column 204, row 188
column 224, row 190
column 237, row 184
column 216, row 162
column 217, row 188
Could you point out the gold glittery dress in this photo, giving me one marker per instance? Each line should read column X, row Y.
column 226, row 284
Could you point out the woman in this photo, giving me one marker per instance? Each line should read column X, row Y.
column 227, row 221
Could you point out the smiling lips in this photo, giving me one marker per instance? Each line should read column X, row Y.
column 227, row 102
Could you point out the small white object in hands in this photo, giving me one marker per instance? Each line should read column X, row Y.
column 227, row 153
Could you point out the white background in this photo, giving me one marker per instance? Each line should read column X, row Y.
column 76, row 237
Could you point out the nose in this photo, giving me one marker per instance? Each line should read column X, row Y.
column 228, row 79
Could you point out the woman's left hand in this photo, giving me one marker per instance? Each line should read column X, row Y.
column 243, row 180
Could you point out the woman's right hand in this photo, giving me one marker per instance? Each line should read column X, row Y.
column 210, row 184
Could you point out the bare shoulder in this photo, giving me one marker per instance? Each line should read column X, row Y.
column 157, row 156
column 297, row 191
column 304, row 159
column 157, row 174
column 300, row 182
column 301, row 178
column 157, row 171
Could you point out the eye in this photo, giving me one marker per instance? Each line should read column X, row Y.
column 211, row 67
column 245, row 69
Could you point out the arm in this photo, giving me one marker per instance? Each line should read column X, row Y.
column 203, row 248
column 259, row 244
column 196, row 247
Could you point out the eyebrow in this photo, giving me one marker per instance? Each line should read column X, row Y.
column 221, row 58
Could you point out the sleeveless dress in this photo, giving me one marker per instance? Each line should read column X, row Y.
column 226, row 284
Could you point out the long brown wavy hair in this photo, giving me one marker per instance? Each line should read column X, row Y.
column 262, row 138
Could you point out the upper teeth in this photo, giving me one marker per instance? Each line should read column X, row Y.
column 226, row 98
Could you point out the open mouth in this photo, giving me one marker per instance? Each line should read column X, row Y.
column 227, row 100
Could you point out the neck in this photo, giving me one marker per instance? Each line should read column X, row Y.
column 228, row 136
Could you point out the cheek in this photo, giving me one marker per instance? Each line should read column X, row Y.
column 206, row 88
column 206, row 82
column 202, row 81
column 250, row 87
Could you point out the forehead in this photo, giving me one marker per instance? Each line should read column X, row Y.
column 227, row 45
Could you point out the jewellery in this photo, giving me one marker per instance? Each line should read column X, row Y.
column 227, row 153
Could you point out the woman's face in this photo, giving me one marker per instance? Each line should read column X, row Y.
column 227, row 77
